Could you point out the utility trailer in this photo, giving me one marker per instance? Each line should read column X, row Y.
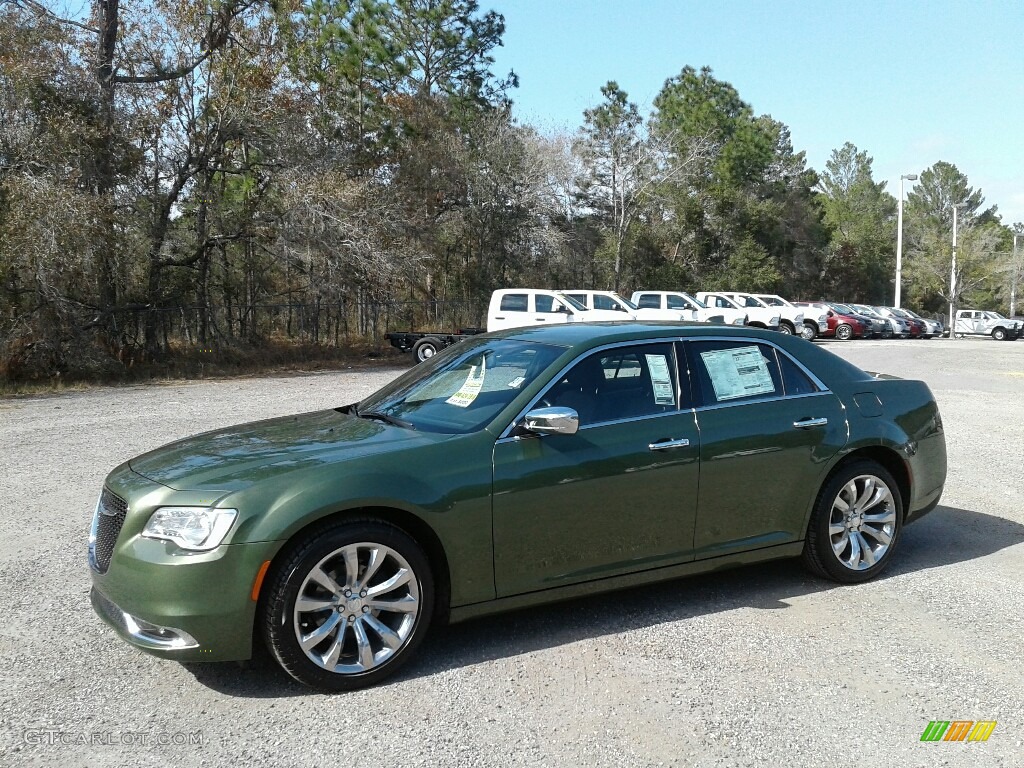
column 427, row 344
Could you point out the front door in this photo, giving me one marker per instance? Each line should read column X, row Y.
column 618, row 496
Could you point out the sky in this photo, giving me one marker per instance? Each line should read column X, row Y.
column 911, row 82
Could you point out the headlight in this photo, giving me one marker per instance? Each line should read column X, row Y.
column 195, row 528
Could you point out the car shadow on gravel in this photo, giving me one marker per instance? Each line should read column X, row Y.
column 945, row 537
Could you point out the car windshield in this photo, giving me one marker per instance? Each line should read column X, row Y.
column 866, row 310
column 843, row 309
column 751, row 301
column 900, row 312
column 462, row 389
column 625, row 301
column 774, row 301
column 995, row 315
column 573, row 303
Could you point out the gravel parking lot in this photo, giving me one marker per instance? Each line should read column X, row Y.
column 759, row 666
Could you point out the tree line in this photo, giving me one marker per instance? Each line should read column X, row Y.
column 243, row 173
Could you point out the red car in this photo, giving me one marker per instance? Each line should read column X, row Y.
column 840, row 326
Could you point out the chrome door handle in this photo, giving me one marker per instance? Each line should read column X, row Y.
column 807, row 423
column 667, row 445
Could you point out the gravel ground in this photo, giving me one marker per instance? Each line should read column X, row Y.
column 758, row 666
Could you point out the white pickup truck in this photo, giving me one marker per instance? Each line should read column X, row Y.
column 680, row 301
column 977, row 322
column 609, row 300
column 520, row 307
column 758, row 315
column 812, row 326
column 791, row 319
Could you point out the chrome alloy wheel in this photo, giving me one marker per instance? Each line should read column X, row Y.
column 356, row 608
column 862, row 523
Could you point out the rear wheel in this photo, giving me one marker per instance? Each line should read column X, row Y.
column 809, row 332
column 855, row 525
column 348, row 605
column 426, row 348
column 844, row 332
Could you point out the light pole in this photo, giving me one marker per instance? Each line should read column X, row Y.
column 952, row 276
column 899, row 240
column 1013, row 278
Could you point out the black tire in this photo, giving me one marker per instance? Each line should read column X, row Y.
column 786, row 328
column 819, row 555
column 844, row 332
column 999, row 334
column 809, row 331
column 321, row 551
column 426, row 348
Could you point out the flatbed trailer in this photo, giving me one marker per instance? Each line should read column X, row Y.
column 424, row 345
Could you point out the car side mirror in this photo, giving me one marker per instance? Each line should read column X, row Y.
column 553, row 421
column 562, row 309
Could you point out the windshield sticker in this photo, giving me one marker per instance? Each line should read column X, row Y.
column 471, row 387
column 739, row 372
column 661, row 379
column 517, row 382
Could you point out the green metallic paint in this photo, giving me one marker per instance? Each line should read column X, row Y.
column 573, row 507
column 561, row 526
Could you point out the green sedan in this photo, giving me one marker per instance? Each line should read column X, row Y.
column 513, row 469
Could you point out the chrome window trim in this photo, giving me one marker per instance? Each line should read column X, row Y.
column 670, row 340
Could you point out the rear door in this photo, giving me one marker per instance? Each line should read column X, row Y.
column 767, row 429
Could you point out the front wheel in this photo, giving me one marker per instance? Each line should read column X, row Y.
column 999, row 334
column 348, row 605
column 809, row 332
column 844, row 332
column 855, row 525
column 786, row 329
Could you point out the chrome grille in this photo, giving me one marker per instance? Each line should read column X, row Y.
column 110, row 514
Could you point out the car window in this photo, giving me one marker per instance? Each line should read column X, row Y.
column 649, row 301
column 546, row 303
column 736, row 371
column 677, row 302
column 604, row 302
column 514, row 302
column 580, row 297
column 795, row 381
column 464, row 387
column 622, row 383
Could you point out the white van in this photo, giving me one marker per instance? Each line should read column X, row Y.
column 519, row 307
column 612, row 301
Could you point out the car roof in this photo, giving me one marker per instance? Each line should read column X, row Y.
column 587, row 335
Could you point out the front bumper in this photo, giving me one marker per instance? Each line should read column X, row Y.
column 187, row 607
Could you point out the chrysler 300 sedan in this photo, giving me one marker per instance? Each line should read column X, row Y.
column 514, row 468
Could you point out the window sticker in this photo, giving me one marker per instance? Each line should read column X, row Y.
column 517, row 382
column 739, row 372
column 470, row 388
column 661, row 379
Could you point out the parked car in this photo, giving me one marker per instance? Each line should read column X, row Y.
column 812, row 326
column 892, row 326
column 977, row 322
column 839, row 326
column 510, row 470
column 932, row 328
column 682, row 301
column 520, row 307
column 757, row 315
column 874, row 327
column 901, row 326
column 791, row 318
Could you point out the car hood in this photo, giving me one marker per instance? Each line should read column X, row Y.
column 236, row 457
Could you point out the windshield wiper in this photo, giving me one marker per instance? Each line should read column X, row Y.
column 378, row 416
